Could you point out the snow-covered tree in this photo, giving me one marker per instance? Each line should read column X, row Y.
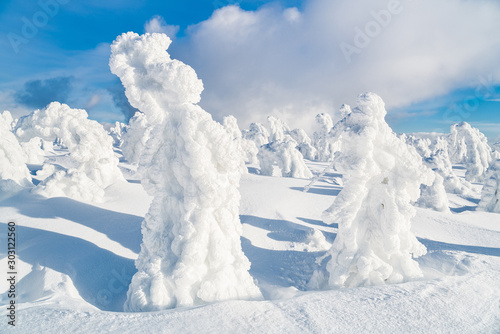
column 322, row 139
column 422, row 145
column 467, row 145
column 278, row 129
column 248, row 147
column 257, row 133
column 434, row 196
column 374, row 244
column 344, row 110
column 134, row 140
column 90, row 147
column 490, row 195
column 33, row 151
column 284, row 153
column 116, row 132
column 440, row 163
column 14, row 174
column 191, row 251
column 304, row 144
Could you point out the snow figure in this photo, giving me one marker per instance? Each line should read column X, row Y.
column 248, row 147
column 116, row 132
column 467, row 145
column 344, row 110
column 14, row 174
column 304, row 144
column 382, row 175
column 191, row 250
column 422, row 145
column 434, row 196
column 90, row 147
column 322, row 138
column 257, row 133
column 285, row 154
column 278, row 129
column 33, row 151
column 134, row 140
column 439, row 162
column 490, row 195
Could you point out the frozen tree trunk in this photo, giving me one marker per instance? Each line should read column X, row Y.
column 191, row 251
column 490, row 195
column 382, row 175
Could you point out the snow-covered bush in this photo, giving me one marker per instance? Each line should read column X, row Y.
column 374, row 244
column 440, row 163
column 14, row 174
column 134, row 140
column 304, row 144
column 322, row 139
column 248, row 147
column 191, row 250
column 257, row 133
column 285, row 154
column 490, row 195
column 467, row 145
column 278, row 129
column 90, row 147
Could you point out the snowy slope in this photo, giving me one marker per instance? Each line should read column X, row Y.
column 83, row 254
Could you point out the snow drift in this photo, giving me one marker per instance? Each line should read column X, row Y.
column 382, row 175
column 191, row 251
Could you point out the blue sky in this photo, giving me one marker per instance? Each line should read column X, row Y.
column 265, row 58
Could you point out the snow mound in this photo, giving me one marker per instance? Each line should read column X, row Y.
column 191, row 250
column 90, row 147
column 382, row 176
column 490, row 195
column 467, row 145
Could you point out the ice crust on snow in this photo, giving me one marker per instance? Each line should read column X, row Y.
column 467, row 145
column 14, row 173
column 90, row 147
column 191, row 250
column 382, row 176
column 490, row 195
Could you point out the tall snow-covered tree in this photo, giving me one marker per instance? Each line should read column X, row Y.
column 191, row 250
column 248, row 147
column 374, row 244
column 257, row 133
column 322, row 139
column 490, row 195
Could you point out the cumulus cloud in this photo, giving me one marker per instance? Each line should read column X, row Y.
column 290, row 63
column 158, row 24
column 39, row 93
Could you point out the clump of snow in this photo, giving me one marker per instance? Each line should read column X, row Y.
column 134, row 140
column 191, row 250
column 33, row 150
column 90, row 147
column 14, row 174
column 257, row 133
column 344, row 110
column 304, row 144
column 322, row 138
column 116, row 132
column 467, row 145
column 285, row 154
column 316, row 241
column 490, row 195
column 382, row 176
column 248, row 147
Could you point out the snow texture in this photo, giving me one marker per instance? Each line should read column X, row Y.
column 278, row 129
column 382, row 175
column 14, row 174
column 422, row 145
column 490, row 195
column 344, row 110
column 257, row 133
column 285, row 154
column 90, row 147
column 248, row 147
column 191, row 250
column 134, row 140
column 304, row 144
column 467, row 145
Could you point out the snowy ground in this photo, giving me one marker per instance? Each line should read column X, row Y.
column 75, row 262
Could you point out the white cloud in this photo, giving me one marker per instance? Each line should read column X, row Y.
column 158, row 24
column 275, row 60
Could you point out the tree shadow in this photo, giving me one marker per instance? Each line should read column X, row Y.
column 323, row 190
column 443, row 246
